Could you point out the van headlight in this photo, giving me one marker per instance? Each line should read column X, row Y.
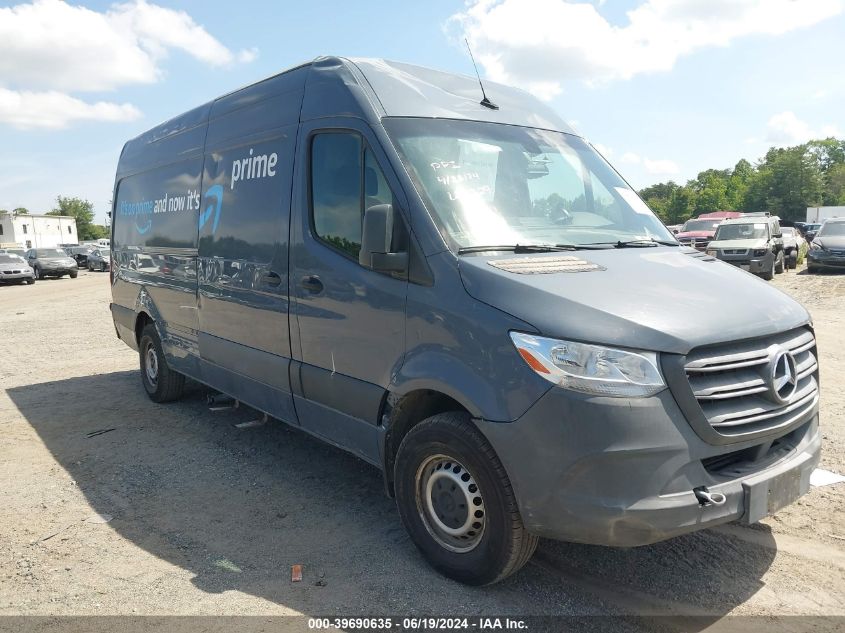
column 591, row 369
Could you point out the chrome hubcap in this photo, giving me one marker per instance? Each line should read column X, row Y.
column 450, row 503
column 151, row 365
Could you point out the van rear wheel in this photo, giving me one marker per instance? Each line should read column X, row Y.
column 161, row 383
column 457, row 503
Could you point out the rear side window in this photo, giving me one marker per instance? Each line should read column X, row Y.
column 345, row 181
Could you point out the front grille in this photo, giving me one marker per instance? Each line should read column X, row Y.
column 732, row 383
column 735, row 251
column 838, row 252
column 12, row 272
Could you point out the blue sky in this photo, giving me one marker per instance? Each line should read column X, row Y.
column 673, row 88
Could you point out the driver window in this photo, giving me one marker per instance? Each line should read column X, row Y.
column 345, row 181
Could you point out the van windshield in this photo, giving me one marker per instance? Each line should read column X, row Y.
column 742, row 232
column 832, row 228
column 492, row 184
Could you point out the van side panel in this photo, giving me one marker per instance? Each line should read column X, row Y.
column 155, row 236
column 244, row 338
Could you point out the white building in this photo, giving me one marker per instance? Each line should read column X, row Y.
column 36, row 231
column 820, row 214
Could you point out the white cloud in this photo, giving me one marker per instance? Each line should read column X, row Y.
column 785, row 128
column 50, row 49
column 51, row 44
column 658, row 167
column 538, row 44
column 55, row 109
column 661, row 167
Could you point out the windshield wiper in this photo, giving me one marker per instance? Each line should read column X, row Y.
column 531, row 248
column 639, row 243
column 516, row 248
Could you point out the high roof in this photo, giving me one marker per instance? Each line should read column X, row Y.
column 335, row 86
column 408, row 90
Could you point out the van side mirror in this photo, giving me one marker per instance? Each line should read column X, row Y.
column 376, row 238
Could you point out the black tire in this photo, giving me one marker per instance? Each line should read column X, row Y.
column 30, row 281
column 769, row 274
column 503, row 545
column 792, row 261
column 73, row 275
column 161, row 383
column 779, row 263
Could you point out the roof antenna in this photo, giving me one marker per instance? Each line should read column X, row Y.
column 485, row 101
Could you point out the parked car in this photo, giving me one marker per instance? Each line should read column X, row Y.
column 99, row 259
column 51, row 262
column 20, row 252
column 753, row 243
column 697, row 232
column 810, row 230
column 14, row 269
column 828, row 249
column 80, row 254
column 792, row 242
column 373, row 272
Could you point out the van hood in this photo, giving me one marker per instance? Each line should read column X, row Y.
column 665, row 299
column 752, row 243
column 834, row 241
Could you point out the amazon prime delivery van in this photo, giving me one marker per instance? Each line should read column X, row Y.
column 468, row 297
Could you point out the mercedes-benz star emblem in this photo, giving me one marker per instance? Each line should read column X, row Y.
column 784, row 376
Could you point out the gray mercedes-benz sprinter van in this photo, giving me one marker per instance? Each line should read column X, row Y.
column 468, row 297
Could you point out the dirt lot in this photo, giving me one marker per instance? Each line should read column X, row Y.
column 208, row 518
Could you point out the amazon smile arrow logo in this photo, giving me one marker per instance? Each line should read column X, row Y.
column 214, row 200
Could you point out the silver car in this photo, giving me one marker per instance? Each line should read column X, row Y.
column 51, row 262
column 99, row 259
column 14, row 269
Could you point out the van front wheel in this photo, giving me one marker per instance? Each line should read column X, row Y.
column 161, row 383
column 457, row 503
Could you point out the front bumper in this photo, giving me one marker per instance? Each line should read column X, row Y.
column 826, row 259
column 754, row 265
column 59, row 270
column 621, row 472
column 27, row 274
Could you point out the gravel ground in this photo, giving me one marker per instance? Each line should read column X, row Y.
column 207, row 518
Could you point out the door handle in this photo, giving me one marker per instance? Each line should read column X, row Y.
column 271, row 279
column 312, row 284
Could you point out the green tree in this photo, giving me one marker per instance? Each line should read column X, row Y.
column 792, row 181
column 21, row 211
column 681, row 205
column 711, row 189
column 738, row 185
column 835, row 185
column 784, row 182
column 83, row 212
